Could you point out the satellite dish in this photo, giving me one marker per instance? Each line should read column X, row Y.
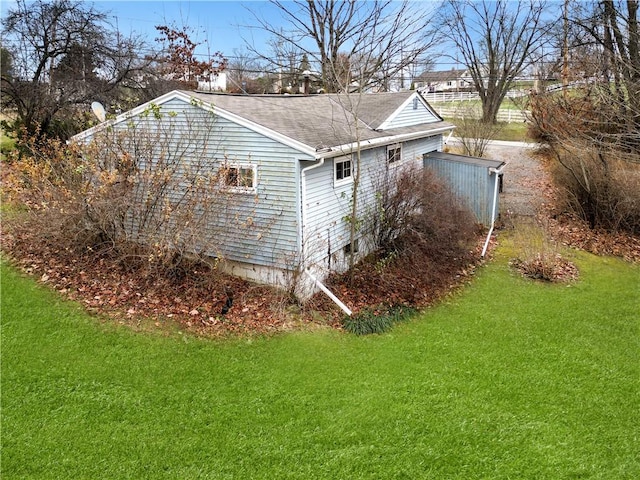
column 99, row 111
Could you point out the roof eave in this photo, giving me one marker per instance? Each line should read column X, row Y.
column 377, row 142
column 129, row 114
column 185, row 96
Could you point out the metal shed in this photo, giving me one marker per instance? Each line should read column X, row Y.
column 473, row 179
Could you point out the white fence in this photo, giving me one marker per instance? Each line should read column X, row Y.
column 504, row 115
column 437, row 97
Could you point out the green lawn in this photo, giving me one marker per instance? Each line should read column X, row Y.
column 507, row 379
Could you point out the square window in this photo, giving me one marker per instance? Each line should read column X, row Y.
column 239, row 176
column 342, row 170
column 394, row 154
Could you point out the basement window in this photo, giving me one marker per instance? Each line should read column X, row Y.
column 350, row 248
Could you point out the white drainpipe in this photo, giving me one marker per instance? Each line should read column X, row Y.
column 322, row 287
column 496, row 172
column 328, row 292
column 303, row 187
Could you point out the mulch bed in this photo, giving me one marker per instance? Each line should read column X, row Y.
column 196, row 302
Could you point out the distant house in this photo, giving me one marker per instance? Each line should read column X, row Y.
column 213, row 82
column 293, row 163
column 443, row 81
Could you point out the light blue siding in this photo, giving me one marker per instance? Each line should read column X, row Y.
column 259, row 227
column 327, row 230
column 409, row 115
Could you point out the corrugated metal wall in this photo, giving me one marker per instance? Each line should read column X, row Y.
column 471, row 180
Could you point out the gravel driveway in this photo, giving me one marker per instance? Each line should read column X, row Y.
column 523, row 178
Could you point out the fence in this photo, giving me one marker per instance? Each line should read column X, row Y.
column 436, row 97
column 504, row 115
column 441, row 97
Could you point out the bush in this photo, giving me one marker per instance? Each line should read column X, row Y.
column 601, row 186
column 426, row 241
column 142, row 195
column 417, row 213
column 538, row 257
column 595, row 157
column 550, row 268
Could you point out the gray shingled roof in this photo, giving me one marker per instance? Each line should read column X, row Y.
column 319, row 120
column 440, row 75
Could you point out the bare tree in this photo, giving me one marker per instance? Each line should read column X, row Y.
column 613, row 28
column 243, row 72
column 50, row 40
column 593, row 134
column 497, row 41
column 285, row 60
column 373, row 34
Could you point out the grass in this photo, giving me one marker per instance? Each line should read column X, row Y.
column 507, row 379
column 7, row 143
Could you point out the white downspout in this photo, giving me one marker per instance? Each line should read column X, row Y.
column 448, row 137
column 496, row 172
column 335, row 299
column 303, row 224
column 303, row 187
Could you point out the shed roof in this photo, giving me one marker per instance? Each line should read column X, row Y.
column 452, row 157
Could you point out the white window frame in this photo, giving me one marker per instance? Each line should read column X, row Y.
column 398, row 160
column 344, row 180
column 225, row 168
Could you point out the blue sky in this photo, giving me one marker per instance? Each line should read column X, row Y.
column 222, row 23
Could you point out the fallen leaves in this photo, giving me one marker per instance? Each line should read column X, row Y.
column 550, row 268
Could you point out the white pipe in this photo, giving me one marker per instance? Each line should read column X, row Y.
column 448, row 137
column 335, row 299
column 303, row 197
column 496, row 172
column 303, row 223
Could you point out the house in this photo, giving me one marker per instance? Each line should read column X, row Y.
column 289, row 163
column 213, row 82
column 443, row 81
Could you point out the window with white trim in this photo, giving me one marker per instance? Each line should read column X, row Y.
column 342, row 170
column 394, row 154
column 242, row 178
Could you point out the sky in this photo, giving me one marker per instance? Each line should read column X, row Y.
column 223, row 24
column 220, row 25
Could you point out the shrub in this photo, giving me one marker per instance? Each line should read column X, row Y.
column 595, row 156
column 426, row 242
column 474, row 134
column 550, row 268
column 418, row 214
column 538, row 257
column 600, row 185
column 143, row 195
